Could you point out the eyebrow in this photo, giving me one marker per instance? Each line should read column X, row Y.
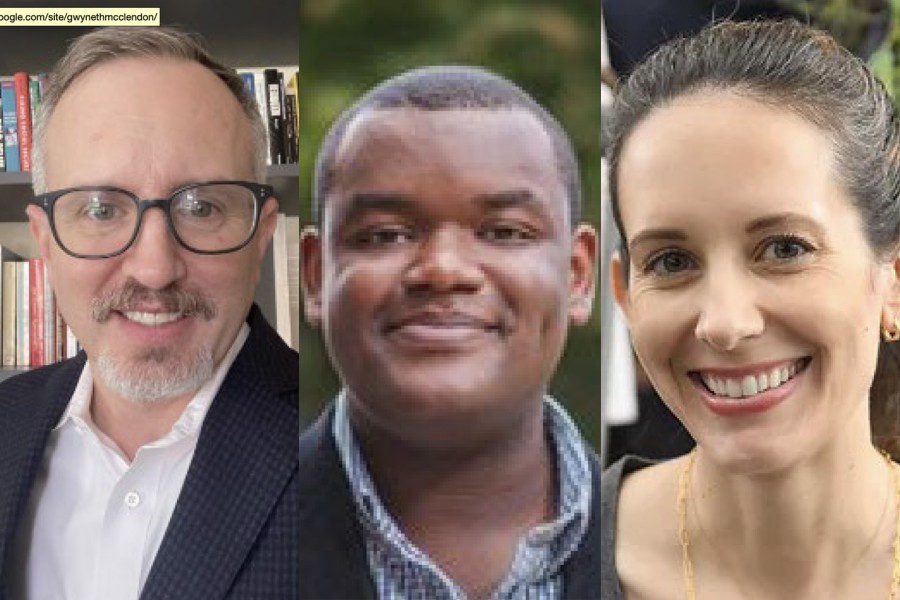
column 653, row 235
column 767, row 222
column 363, row 202
column 397, row 202
column 782, row 219
column 509, row 199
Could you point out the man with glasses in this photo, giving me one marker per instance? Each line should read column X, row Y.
column 160, row 462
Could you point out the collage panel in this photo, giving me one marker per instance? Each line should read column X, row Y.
column 448, row 270
column 750, row 301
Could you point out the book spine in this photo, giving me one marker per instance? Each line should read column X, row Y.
column 247, row 76
column 275, row 117
column 293, row 87
column 60, row 333
column 23, row 347
column 259, row 86
column 71, row 343
column 290, row 132
column 34, row 94
column 36, row 311
column 23, row 116
column 280, row 270
column 49, row 324
column 10, row 124
column 2, row 145
column 286, row 141
column 9, row 314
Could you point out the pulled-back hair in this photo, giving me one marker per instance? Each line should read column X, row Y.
column 447, row 88
column 109, row 43
column 797, row 68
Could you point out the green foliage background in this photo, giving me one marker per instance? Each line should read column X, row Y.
column 551, row 49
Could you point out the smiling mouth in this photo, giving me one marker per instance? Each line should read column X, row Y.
column 151, row 319
column 751, row 384
column 442, row 321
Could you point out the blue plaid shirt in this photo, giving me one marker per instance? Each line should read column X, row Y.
column 401, row 571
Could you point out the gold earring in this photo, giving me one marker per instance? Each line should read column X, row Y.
column 892, row 335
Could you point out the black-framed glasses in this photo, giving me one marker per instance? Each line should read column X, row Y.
column 212, row 217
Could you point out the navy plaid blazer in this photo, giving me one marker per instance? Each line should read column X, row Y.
column 333, row 562
column 234, row 530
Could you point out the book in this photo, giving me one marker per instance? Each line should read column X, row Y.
column 23, row 342
column 49, row 324
column 290, row 132
column 2, row 150
column 249, row 82
column 23, row 118
column 259, row 91
column 36, row 311
column 275, row 116
column 34, row 94
column 10, row 124
column 286, row 267
column 71, row 343
column 293, row 89
column 9, row 314
column 60, row 350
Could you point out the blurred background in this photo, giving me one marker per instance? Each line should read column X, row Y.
column 635, row 421
column 550, row 49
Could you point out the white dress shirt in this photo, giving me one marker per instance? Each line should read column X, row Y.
column 95, row 522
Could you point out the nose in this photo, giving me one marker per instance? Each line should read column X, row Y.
column 729, row 312
column 154, row 259
column 444, row 262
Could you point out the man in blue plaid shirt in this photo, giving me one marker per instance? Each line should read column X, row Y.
column 448, row 263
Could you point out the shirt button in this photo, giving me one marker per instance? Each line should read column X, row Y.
column 132, row 499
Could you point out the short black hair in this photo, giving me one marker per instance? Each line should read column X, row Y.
column 446, row 88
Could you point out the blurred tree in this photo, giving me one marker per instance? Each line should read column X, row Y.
column 551, row 49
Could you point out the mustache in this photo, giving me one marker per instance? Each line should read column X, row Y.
column 172, row 299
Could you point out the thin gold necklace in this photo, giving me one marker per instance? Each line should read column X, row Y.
column 687, row 566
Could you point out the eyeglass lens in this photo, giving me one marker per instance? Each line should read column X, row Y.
column 212, row 217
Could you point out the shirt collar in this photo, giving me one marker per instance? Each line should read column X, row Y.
column 562, row 535
column 188, row 424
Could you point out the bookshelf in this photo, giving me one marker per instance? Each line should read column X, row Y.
column 242, row 34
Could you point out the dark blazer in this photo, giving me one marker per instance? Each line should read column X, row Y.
column 333, row 562
column 233, row 532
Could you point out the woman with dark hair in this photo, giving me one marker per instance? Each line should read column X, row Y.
column 755, row 181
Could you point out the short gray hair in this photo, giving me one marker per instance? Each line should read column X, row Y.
column 110, row 43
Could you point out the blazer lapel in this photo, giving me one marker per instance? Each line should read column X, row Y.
column 30, row 406
column 245, row 457
column 333, row 561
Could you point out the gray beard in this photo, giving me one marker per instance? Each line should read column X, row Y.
column 154, row 376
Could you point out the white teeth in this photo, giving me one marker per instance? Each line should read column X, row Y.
column 750, row 385
column 723, row 389
column 733, row 388
column 151, row 318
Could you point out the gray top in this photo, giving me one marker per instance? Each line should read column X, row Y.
column 610, row 483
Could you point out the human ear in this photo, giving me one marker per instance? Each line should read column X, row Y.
column 311, row 275
column 890, row 312
column 268, row 219
column 583, row 274
column 618, row 283
column 39, row 226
